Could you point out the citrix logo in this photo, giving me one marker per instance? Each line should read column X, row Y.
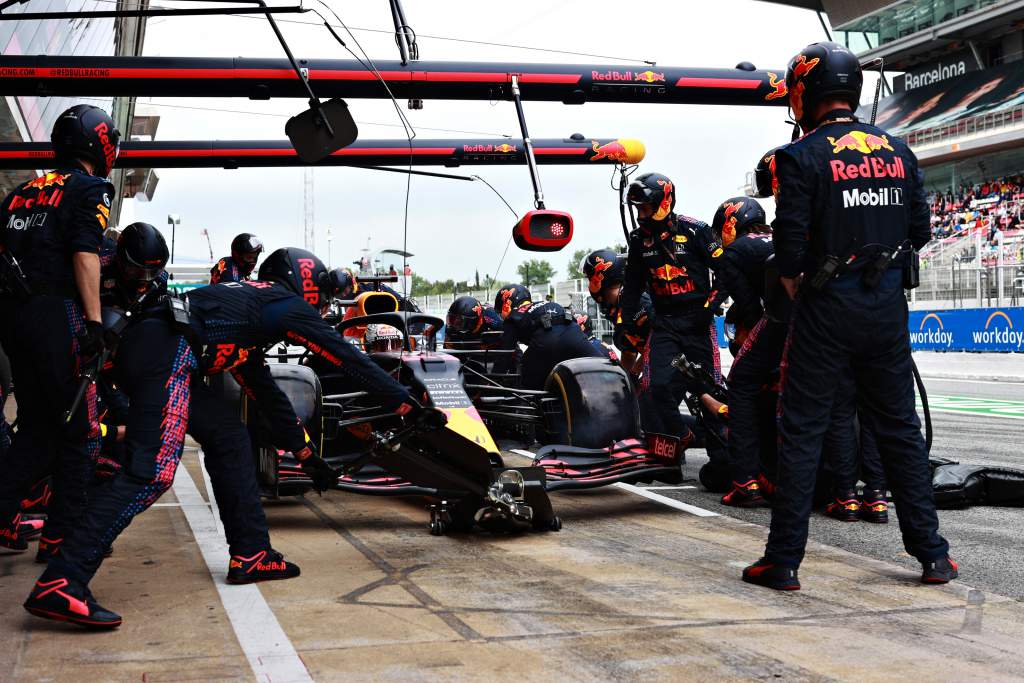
column 883, row 196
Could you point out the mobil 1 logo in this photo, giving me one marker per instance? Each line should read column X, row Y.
column 882, row 196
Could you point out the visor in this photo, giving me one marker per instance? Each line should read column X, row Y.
column 640, row 194
column 141, row 273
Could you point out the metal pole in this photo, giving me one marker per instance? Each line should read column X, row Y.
column 977, row 262
column 173, row 231
column 538, row 192
column 999, row 270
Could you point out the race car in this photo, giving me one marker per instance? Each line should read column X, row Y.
column 587, row 416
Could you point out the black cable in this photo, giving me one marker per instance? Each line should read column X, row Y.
column 925, row 408
column 410, row 132
column 509, row 242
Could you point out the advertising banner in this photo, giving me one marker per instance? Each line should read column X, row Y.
column 968, row 329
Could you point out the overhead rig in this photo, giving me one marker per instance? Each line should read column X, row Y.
column 448, row 152
column 261, row 79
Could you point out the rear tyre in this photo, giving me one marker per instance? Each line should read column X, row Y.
column 594, row 405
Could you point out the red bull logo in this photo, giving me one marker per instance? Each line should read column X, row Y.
column 45, row 181
column 668, row 272
column 506, row 303
column 729, row 226
column 503, row 148
column 310, row 290
column 40, row 200
column 869, row 167
column 802, row 67
column 666, row 203
column 109, row 148
column 597, row 279
column 778, row 86
column 619, row 151
column 649, row 77
column 859, row 141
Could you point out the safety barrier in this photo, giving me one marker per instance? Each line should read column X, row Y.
column 968, row 329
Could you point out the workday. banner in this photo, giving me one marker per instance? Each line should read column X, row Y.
column 968, row 329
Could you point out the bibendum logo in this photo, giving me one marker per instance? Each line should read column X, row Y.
column 999, row 330
column 883, row 196
column 935, row 335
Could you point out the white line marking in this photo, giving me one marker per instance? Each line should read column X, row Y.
column 966, row 380
column 271, row 655
column 209, row 494
column 665, row 500
column 177, row 505
column 524, row 453
column 667, row 488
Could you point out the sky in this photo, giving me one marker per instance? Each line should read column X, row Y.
column 457, row 228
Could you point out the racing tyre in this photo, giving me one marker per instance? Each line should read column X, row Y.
column 594, row 404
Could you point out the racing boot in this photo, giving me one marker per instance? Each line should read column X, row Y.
column 48, row 548
column 845, row 507
column 62, row 599
column 941, row 570
column 764, row 573
column 11, row 540
column 266, row 565
column 30, row 529
column 747, row 495
column 874, row 507
column 767, row 487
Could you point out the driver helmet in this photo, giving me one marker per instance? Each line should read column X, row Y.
column 380, row 337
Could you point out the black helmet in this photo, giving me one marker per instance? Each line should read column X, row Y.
column 736, row 217
column 822, row 71
column 765, row 182
column 245, row 250
column 141, row 256
column 300, row 271
column 86, row 132
column 465, row 315
column 509, row 298
column 603, row 268
column 344, row 283
column 656, row 190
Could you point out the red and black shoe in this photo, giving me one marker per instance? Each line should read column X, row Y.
column 874, row 506
column 845, row 508
column 30, row 529
column 11, row 541
column 940, row 570
column 746, row 495
column 62, row 599
column 767, row 487
column 48, row 548
column 266, row 565
column 769, row 575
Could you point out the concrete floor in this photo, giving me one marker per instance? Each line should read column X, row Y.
column 630, row 589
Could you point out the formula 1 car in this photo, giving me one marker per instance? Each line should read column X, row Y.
column 587, row 415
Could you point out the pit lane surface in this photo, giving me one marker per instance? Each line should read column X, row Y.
column 630, row 589
column 976, row 422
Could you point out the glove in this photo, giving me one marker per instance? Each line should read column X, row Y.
column 323, row 475
column 90, row 340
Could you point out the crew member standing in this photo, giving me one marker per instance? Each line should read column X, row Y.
column 671, row 257
column 740, row 225
column 53, row 227
column 850, row 208
column 245, row 251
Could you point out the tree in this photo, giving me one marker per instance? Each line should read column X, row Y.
column 536, row 271
column 573, row 269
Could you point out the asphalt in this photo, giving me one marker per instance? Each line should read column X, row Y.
column 988, row 542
